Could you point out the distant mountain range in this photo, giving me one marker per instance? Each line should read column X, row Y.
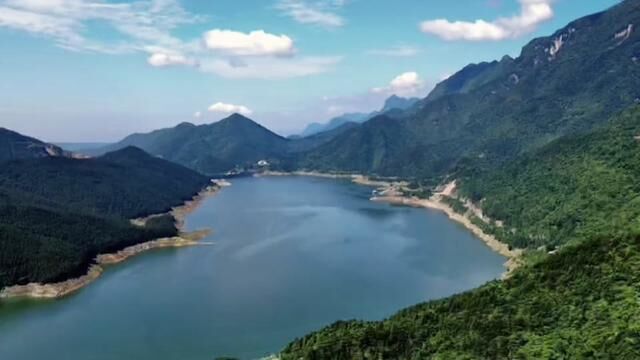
column 487, row 113
column 567, row 83
column 212, row 148
column 392, row 103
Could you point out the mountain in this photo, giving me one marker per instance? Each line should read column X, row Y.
column 395, row 102
column 567, row 83
column 16, row 146
column 392, row 103
column 580, row 303
column 57, row 214
column 577, row 187
column 470, row 78
column 212, row 148
column 316, row 128
column 127, row 183
column 577, row 196
column 558, row 177
column 301, row 144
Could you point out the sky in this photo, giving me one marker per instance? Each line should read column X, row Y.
column 98, row 70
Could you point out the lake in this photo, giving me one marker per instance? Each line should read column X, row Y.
column 289, row 256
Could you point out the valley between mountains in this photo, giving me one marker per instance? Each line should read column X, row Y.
column 537, row 155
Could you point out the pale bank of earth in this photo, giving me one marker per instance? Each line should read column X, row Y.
column 392, row 192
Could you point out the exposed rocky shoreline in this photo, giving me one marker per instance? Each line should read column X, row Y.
column 392, row 192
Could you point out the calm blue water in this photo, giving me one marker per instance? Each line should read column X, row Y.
column 291, row 255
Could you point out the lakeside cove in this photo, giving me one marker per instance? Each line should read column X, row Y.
column 70, row 286
column 393, row 191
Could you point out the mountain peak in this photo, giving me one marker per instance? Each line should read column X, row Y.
column 128, row 152
column 185, row 125
column 399, row 103
column 237, row 117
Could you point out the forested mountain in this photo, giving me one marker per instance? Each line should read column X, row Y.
column 127, row 183
column 578, row 304
column 302, row 144
column 563, row 84
column 574, row 188
column 212, row 148
column 558, row 166
column 57, row 214
column 17, row 146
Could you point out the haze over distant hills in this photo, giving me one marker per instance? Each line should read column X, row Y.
column 238, row 141
column 392, row 103
column 213, row 148
column 490, row 112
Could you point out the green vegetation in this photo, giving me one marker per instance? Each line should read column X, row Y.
column 214, row 148
column 492, row 113
column 57, row 214
column 126, row 184
column 574, row 188
column 532, row 141
column 39, row 245
column 579, row 304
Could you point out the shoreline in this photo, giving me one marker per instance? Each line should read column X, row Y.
column 435, row 203
column 38, row 291
column 390, row 192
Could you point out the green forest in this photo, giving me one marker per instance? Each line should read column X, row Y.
column 57, row 214
column 578, row 196
column 581, row 303
column 574, row 188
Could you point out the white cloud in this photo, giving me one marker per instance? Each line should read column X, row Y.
column 314, row 13
column 533, row 13
column 397, row 51
column 406, row 84
column 141, row 23
column 197, row 114
column 255, row 43
column 164, row 60
column 224, row 108
column 271, row 68
column 147, row 27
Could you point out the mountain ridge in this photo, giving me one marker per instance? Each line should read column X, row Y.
column 510, row 107
column 394, row 102
column 14, row 145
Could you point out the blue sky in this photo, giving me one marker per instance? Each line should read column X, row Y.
column 97, row 70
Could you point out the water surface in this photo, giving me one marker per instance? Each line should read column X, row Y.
column 291, row 255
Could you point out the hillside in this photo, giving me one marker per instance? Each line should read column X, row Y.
column 212, row 148
column 576, row 187
column 393, row 103
column 567, row 83
column 57, row 214
column 578, row 304
column 578, row 197
column 125, row 184
column 17, row 146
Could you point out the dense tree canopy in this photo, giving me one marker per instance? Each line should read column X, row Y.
column 57, row 214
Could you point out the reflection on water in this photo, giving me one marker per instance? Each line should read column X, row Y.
column 291, row 255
